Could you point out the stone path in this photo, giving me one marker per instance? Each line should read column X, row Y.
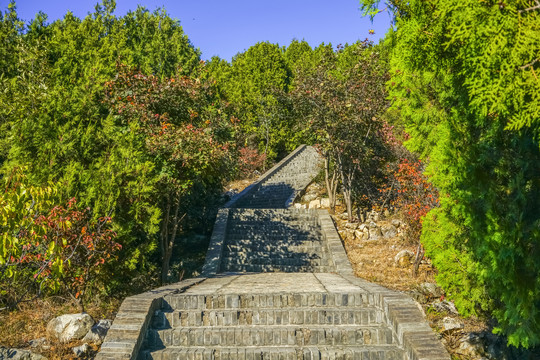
column 276, row 284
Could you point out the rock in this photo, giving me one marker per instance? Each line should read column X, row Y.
column 403, row 258
column 19, row 354
column 81, row 350
column 297, row 205
column 325, row 203
column 418, row 296
column 358, row 234
column 375, row 233
column 315, row 204
column 396, row 223
column 373, row 216
column 389, row 231
column 431, row 289
column 372, row 225
column 97, row 333
column 450, row 324
column 70, row 327
column 309, row 197
column 361, row 227
column 40, row 342
column 444, row 307
column 344, row 216
column 471, row 346
column 352, row 226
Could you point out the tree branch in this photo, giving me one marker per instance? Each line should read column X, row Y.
column 530, row 9
column 531, row 63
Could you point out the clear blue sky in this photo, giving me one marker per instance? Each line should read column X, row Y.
column 226, row 27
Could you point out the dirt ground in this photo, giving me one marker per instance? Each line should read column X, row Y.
column 19, row 327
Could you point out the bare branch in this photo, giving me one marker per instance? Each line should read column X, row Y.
column 531, row 63
column 530, row 9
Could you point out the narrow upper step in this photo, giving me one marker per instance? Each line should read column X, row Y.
column 280, row 185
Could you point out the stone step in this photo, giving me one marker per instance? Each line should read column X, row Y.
column 268, row 316
column 276, row 241
column 232, row 261
column 313, row 250
column 380, row 352
column 278, row 246
column 270, row 300
column 247, row 268
column 281, row 221
column 275, row 335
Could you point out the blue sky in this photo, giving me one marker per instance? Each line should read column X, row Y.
column 226, row 27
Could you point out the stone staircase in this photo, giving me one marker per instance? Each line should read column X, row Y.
column 276, row 284
column 280, row 185
column 263, row 240
column 276, row 322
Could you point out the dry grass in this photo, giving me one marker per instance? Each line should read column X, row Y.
column 374, row 261
column 29, row 322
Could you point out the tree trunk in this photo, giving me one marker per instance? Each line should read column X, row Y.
column 346, row 183
column 168, row 237
column 331, row 183
column 419, row 256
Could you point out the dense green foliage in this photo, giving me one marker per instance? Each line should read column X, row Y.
column 143, row 147
column 465, row 79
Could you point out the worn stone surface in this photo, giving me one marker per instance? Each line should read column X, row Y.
column 69, row 327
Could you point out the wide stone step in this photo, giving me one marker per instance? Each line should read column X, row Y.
column 262, row 316
column 289, row 221
column 365, row 352
column 239, row 245
column 277, row 242
column 269, row 300
column 276, row 335
column 248, row 268
column 308, row 260
column 304, row 251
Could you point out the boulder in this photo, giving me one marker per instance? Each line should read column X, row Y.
column 444, row 307
column 451, row 324
column 404, row 258
column 315, row 204
column 97, row 333
column 19, row 354
column 471, row 346
column 309, row 197
column 325, row 203
column 351, row 225
column 431, row 289
column 375, row 234
column 69, row 327
column 82, row 350
column 389, row 231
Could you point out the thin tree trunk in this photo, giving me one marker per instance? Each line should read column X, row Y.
column 331, row 184
column 346, row 182
column 419, row 256
column 168, row 239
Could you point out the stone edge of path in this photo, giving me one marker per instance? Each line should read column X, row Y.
column 126, row 335
column 253, row 187
column 406, row 317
